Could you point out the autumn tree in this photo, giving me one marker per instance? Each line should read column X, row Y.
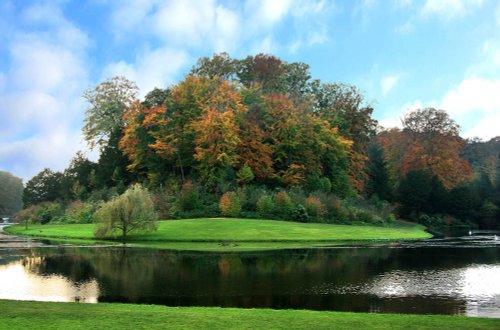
column 435, row 146
column 217, row 133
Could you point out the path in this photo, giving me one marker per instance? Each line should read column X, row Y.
column 9, row 241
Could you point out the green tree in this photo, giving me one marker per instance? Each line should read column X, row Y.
column 108, row 102
column 129, row 212
column 43, row 187
column 245, row 174
column 378, row 176
column 11, row 193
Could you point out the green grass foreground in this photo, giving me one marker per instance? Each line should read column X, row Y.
column 45, row 315
column 233, row 234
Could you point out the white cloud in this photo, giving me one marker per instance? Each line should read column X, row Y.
column 234, row 27
column 449, row 9
column 41, row 108
column 152, row 69
column 475, row 103
column 266, row 13
column 388, row 83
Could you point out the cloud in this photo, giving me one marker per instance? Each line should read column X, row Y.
column 41, row 108
column 449, row 9
column 475, row 102
column 234, row 27
column 157, row 68
column 388, row 83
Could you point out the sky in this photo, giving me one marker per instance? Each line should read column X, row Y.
column 402, row 54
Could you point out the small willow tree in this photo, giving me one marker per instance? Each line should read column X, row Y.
column 131, row 211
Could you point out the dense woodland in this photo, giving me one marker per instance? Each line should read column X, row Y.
column 260, row 138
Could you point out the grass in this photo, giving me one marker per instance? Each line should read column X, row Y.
column 233, row 234
column 45, row 315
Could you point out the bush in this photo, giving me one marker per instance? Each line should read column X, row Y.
column 49, row 211
column 164, row 204
column 26, row 216
column 230, row 205
column 131, row 211
column 265, row 206
column 79, row 212
column 315, row 207
column 283, row 205
column 337, row 211
column 189, row 197
column 300, row 214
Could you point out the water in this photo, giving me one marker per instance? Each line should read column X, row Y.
column 459, row 276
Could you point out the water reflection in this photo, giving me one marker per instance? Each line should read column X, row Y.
column 401, row 278
column 17, row 282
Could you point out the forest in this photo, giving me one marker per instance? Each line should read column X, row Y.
column 259, row 137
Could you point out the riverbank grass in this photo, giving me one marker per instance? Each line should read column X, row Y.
column 236, row 234
column 45, row 315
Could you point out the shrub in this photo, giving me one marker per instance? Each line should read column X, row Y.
column 230, row 205
column 337, row 211
column 284, row 206
column 79, row 212
column 300, row 214
column 131, row 211
column 265, row 206
column 315, row 207
column 245, row 174
column 48, row 211
column 26, row 216
column 164, row 202
column 189, row 197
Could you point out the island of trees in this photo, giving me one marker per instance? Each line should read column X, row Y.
column 260, row 138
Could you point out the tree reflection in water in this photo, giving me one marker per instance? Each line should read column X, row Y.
column 347, row 279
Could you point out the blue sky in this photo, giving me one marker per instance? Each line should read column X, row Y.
column 403, row 54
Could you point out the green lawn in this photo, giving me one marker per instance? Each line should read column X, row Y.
column 43, row 315
column 234, row 234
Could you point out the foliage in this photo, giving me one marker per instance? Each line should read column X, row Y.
column 283, row 205
column 429, row 141
column 265, row 206
column 189, row 197
column 11, row 192
column 131, row 211
column 43, row 187
column 80, row 212
column 108, row 102
column 245, row 174
column 230, row 204
column 315, row 207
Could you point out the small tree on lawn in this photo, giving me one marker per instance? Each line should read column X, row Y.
column 131, row 211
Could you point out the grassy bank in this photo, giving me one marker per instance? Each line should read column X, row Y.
column 229, row 234
column 42, row 315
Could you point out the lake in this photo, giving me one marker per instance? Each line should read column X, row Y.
column 457, row 276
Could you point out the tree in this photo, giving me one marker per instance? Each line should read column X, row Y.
column 76, row 181
column 217, row 133
column 43, row 187
column 343, row 107
column 220, row 66
column 11, row 192
column 378, row 176
column 108, row 102
column 429, row 141
column 129, row 212
column 414, row 192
